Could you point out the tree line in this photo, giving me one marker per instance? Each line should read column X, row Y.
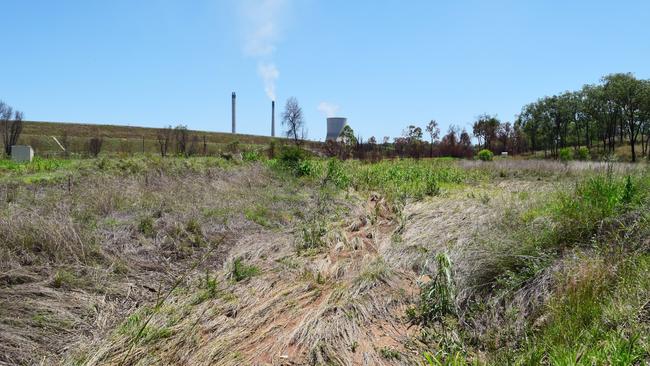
column 598, row 117
column 413, row 143
column 616, row 110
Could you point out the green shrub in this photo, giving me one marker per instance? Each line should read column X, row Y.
column 389, row 353
column 431, row 187
column 65, row 279
column 485, row 155
column 337, row 174
column 292, row 155
column 146, row 226
column 313, row 231
column 193, row 226
column 306, row 168
column 452, row 359
column 293, row 158
column 437, row 297
column 582, row 153
column 209, row 289
column 629, row 191
column 260, row 215
column 136, row 328
column 565, row 154
column 251, row 155
column 240, row 271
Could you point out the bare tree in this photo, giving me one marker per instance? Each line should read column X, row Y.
column 193, row 149
column 11, row 127
column 293, row 120
column 164, row 136
column 181, row 137
column 95, row 146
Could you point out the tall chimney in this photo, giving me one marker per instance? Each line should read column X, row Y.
column 234, row 101
column 273, row 118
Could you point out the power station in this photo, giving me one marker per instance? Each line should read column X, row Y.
column 335, row 125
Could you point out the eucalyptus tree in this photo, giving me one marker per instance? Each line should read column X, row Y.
column 529, row 121
column 504, row 135
column 346, row 141
column 645, row 118
column 434, row 132
column 628, row 95
column 413, row 133
column 485, row 129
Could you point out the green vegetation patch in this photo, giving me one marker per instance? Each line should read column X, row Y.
column 485, row 155
column 140, row 331
column 594, row 318
column 240, row 271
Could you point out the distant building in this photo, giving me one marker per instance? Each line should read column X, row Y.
column 22, row 153
column 335, row 126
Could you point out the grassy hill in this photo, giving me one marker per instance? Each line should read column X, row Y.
column 125, row 139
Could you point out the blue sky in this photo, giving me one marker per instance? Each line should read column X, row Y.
column 385, row 64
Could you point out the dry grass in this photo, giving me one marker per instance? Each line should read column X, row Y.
column 536, row 167
column 73, row 264
column 341, row 304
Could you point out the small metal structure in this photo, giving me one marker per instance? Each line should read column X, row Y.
column 335, row 126
column 22, row 153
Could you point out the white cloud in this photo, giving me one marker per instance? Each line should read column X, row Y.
column 328, row 109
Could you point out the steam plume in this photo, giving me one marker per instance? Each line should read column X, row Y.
column 269, row 74
column 263, row 21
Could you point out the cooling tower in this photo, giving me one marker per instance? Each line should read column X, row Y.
column 335, row 127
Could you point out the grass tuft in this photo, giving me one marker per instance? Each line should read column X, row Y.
column 240, row 271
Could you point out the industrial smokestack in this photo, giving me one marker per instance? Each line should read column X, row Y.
column 234, row 102
column 273, row 118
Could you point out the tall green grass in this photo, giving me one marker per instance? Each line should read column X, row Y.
column 569, row 219
column 396, row 179
column 596, row 231
column 594, row 318
column 36, row 165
